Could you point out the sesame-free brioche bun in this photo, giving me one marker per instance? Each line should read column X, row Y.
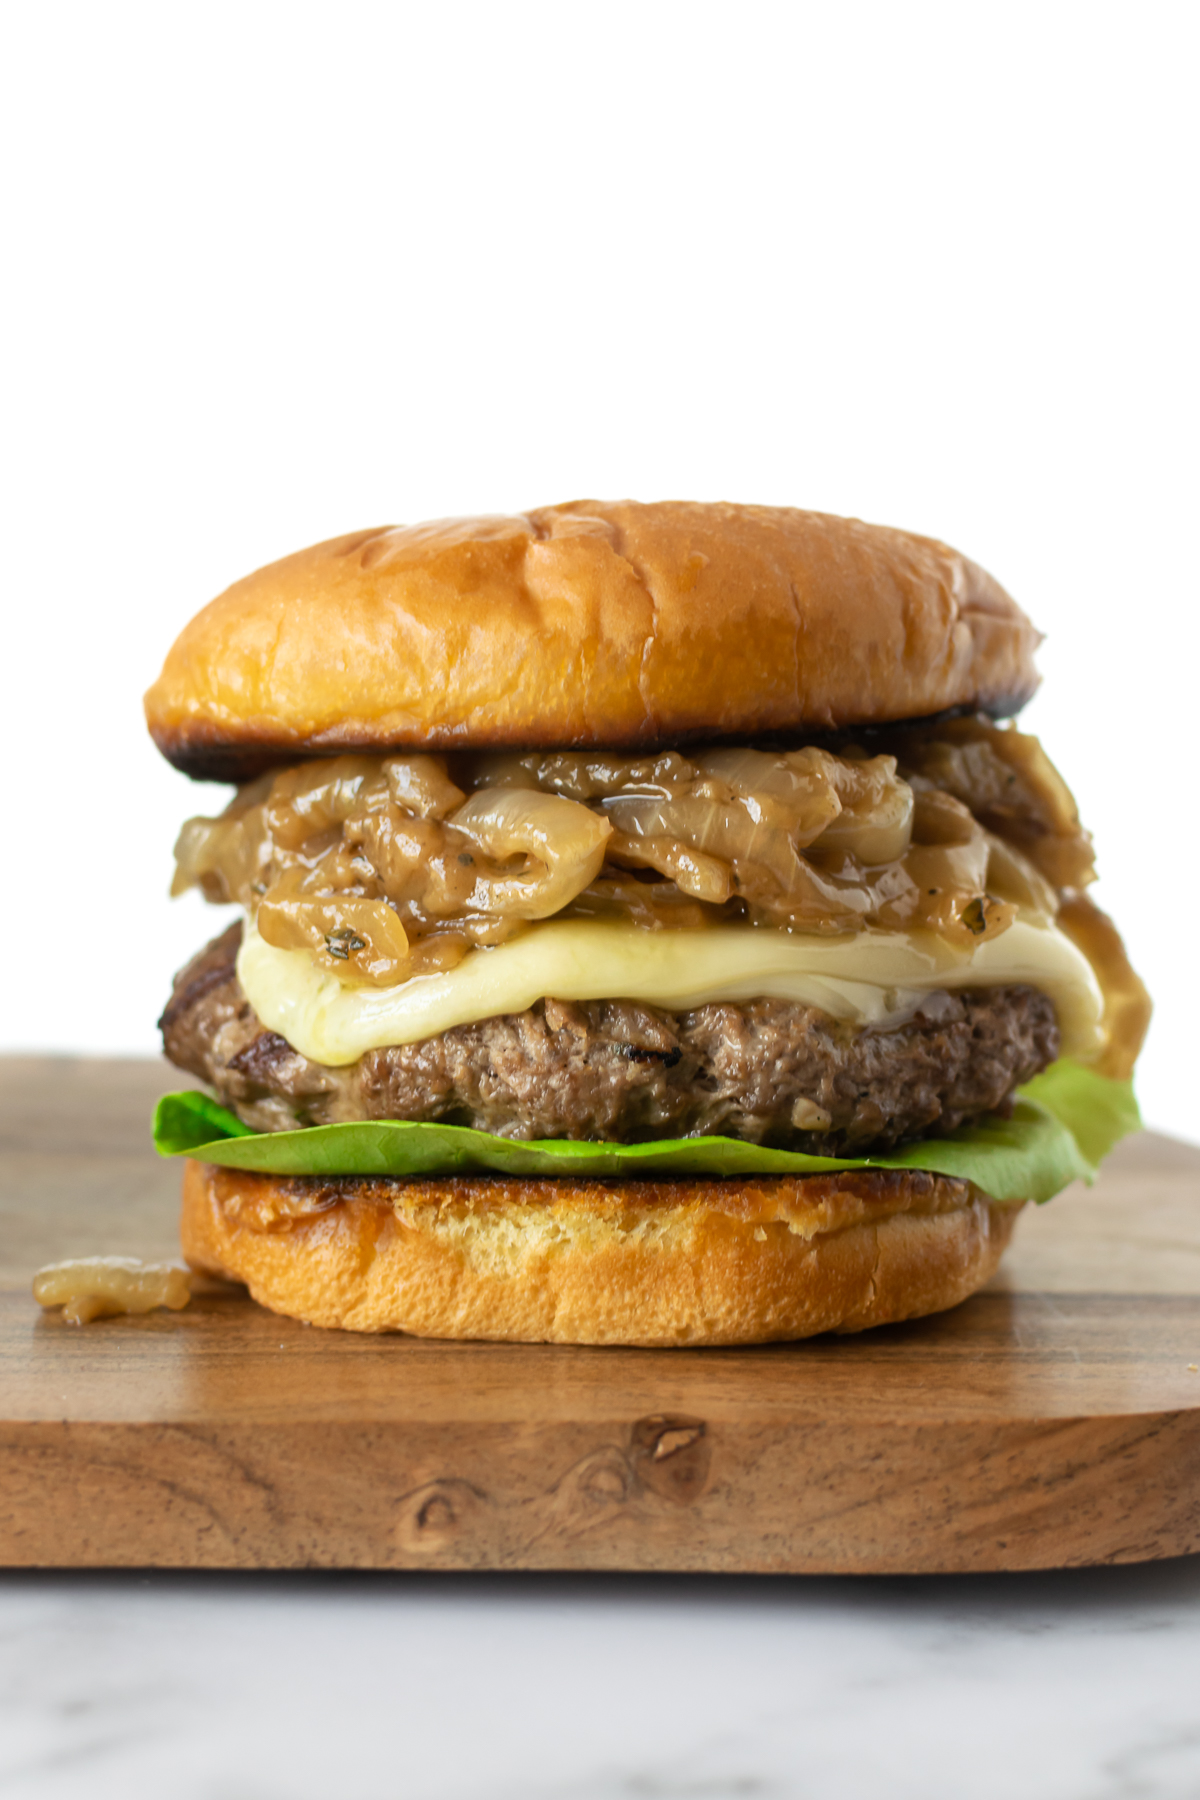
column 587, row 625
column 590, row 1262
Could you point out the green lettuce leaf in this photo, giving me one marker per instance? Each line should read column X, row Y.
column 1062, row 1125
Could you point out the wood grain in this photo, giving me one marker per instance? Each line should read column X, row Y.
column 1052, row 1420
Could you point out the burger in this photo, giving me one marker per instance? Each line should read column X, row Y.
column 652, row 930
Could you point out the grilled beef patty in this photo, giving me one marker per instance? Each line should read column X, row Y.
column 770, row 1071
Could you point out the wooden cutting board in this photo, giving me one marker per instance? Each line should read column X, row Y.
column 1052, row 1420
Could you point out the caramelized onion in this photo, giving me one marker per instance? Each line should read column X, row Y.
column 792, row 794
column 722, row 831
column 1011, row 876
column 1127, row 1006
column 422, row 865
column 359, row 937
column 561, row 841
column 655, row 905
column 318, row 797
column 421, row 785
column 1009, row 783
column 227, row 858
column 104, row 1287
column 876, row 820
column 703, row 877
column 586, row 777
column 382, row 868
column 717, row 814
column 941, row 819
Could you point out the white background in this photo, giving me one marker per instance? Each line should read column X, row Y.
column 278, row 272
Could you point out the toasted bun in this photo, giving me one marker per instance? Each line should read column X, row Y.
column 587, row 625
column 654, row 1263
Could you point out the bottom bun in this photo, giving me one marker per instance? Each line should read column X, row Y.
column 593, row 1262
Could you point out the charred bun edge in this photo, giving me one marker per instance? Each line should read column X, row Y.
column 204, row 754
column 668, row 1263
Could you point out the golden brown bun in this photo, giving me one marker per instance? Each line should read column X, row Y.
column 589, row 624
column 654, row 1263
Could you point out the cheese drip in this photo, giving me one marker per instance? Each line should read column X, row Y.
column 874, row 978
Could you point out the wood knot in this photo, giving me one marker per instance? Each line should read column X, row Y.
column 671, row 1454
column 433, row 1516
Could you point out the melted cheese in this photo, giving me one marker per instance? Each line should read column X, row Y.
column 875, row 978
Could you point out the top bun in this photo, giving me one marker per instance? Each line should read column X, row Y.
column 589, row 625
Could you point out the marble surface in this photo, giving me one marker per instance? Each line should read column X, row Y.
column 1071, row 1686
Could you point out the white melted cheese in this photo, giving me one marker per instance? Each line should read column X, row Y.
column 874, row 978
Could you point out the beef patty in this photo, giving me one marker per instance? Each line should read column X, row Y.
column 770, row 1071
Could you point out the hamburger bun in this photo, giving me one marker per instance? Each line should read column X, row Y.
column 589, row 1262
column 587, row 625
